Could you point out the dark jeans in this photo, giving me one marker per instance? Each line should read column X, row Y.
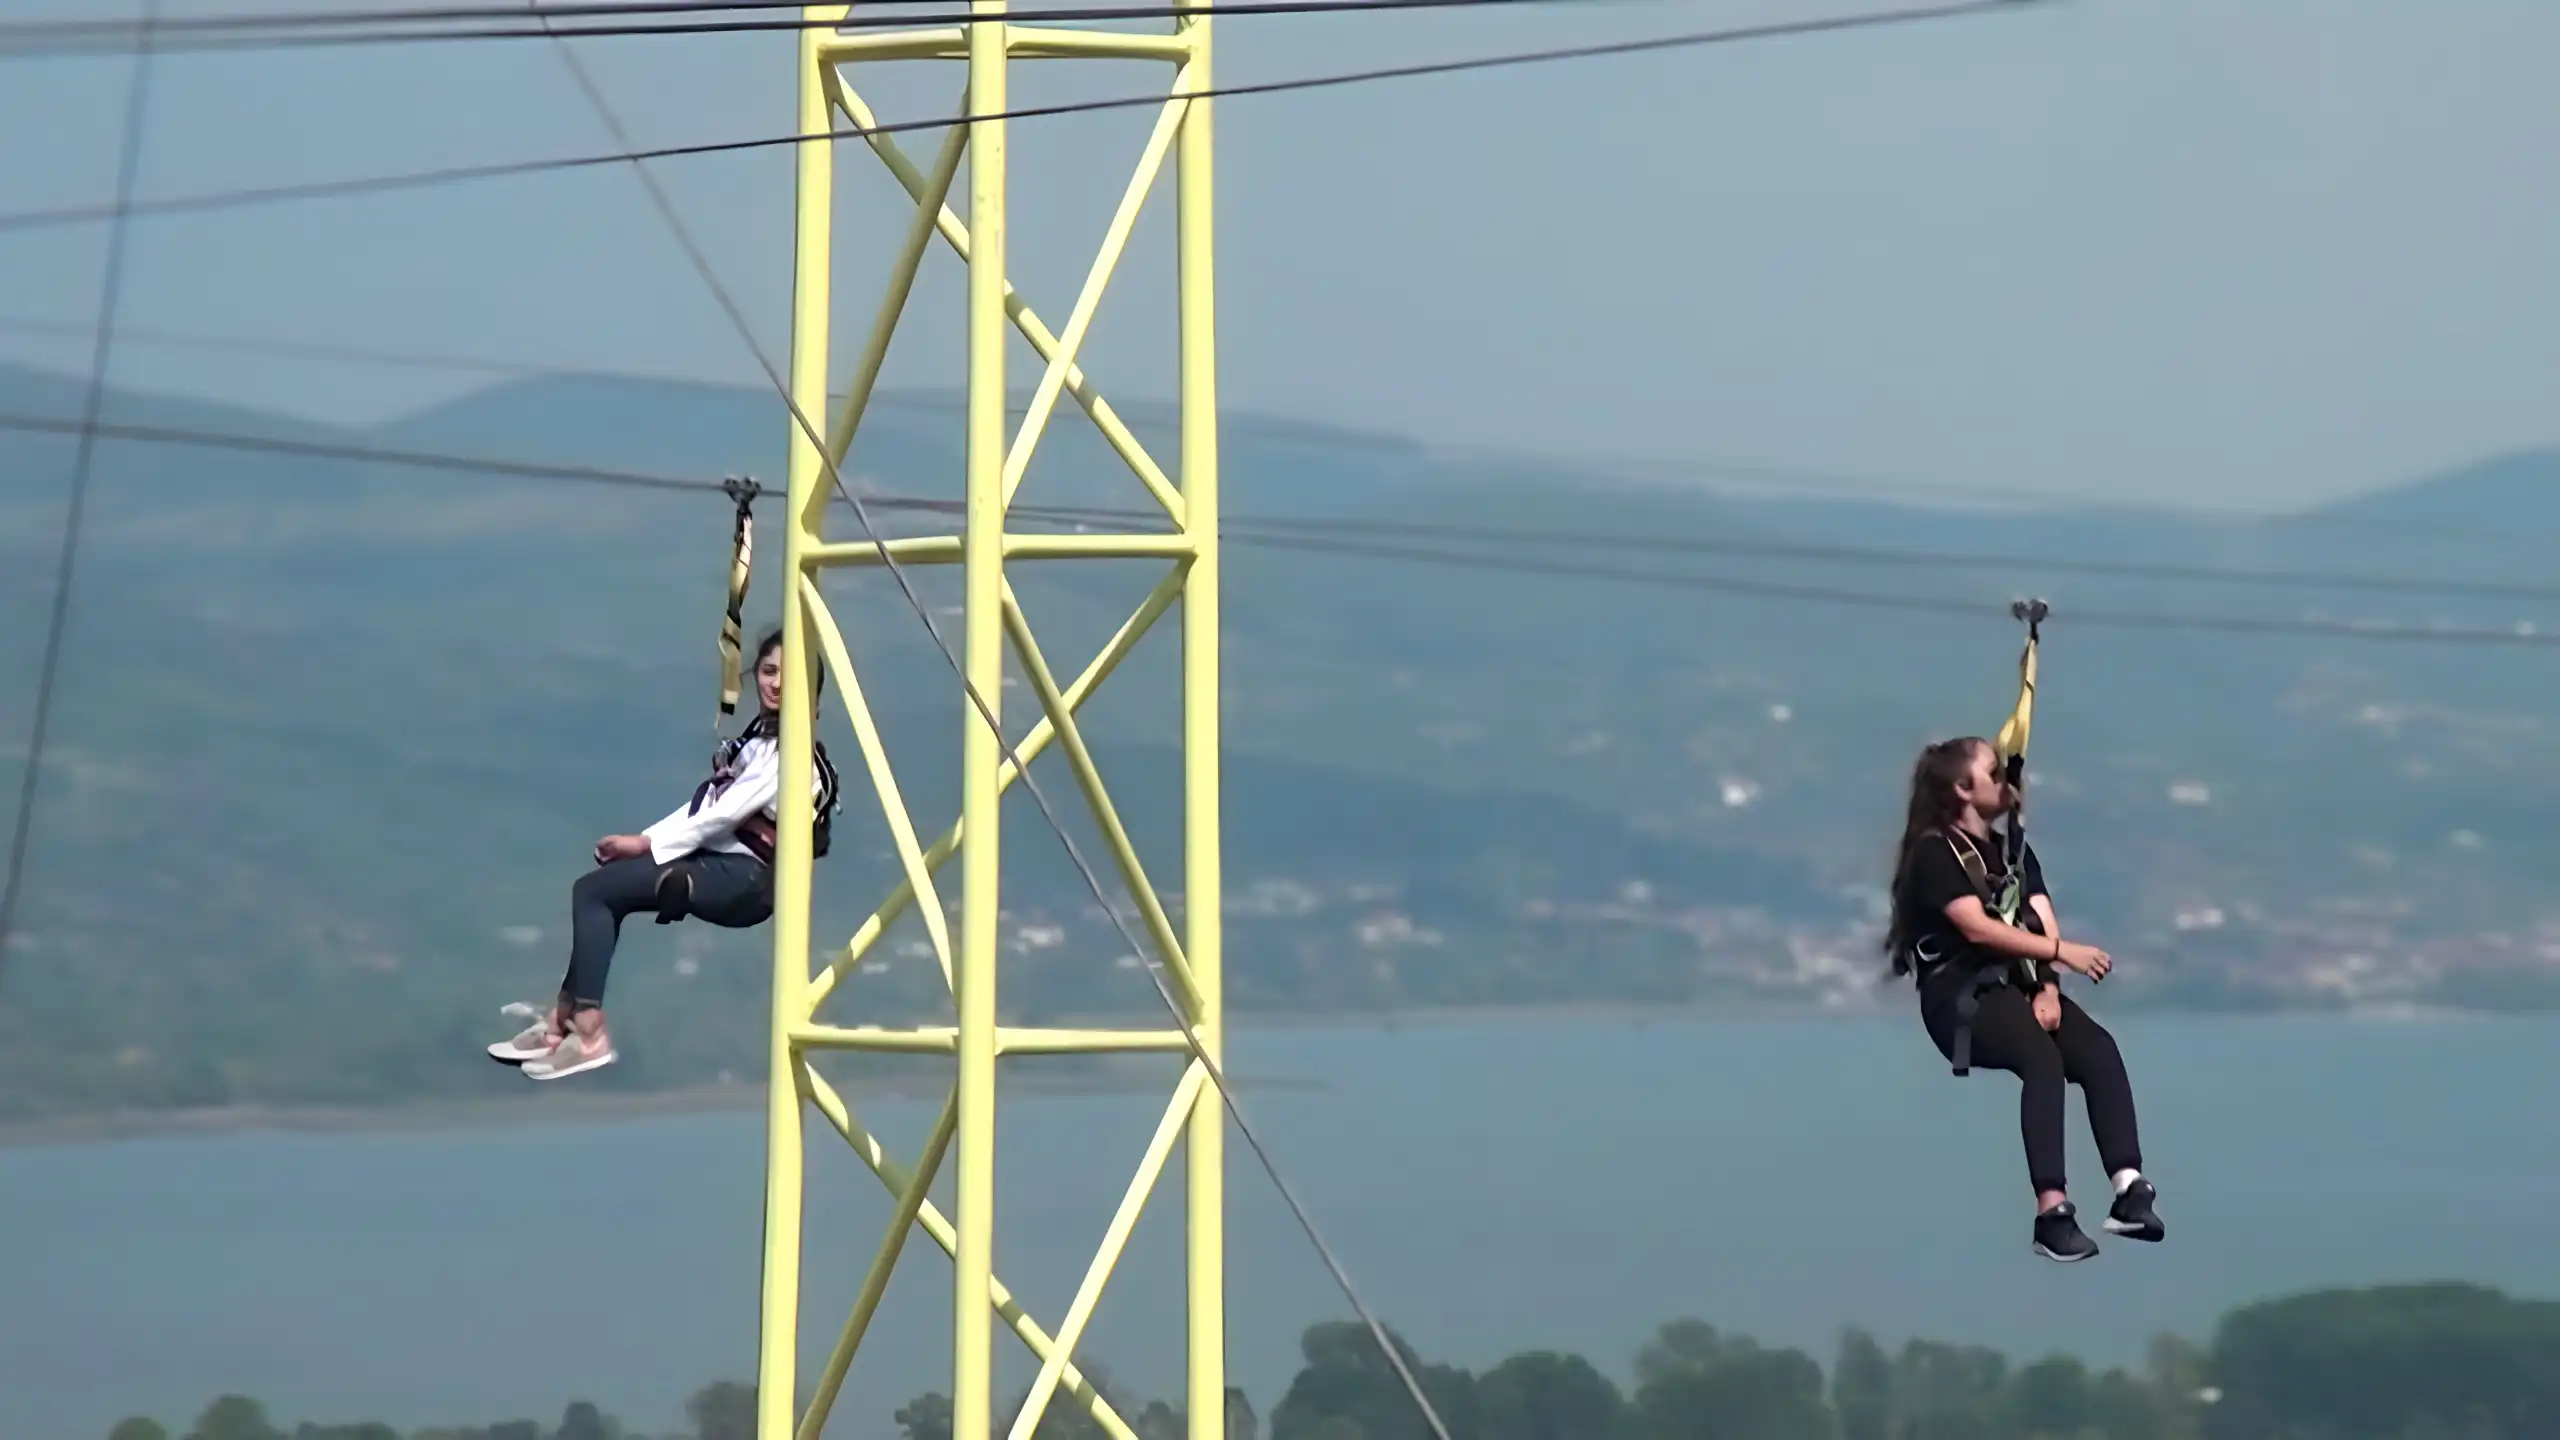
column 2007, row 1037
column 731, row 891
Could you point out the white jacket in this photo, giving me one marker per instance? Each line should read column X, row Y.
column 757, row 785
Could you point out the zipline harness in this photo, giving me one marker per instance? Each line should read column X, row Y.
column 2008, row 903
column 756, row 832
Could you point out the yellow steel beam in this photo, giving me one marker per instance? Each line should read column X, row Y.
column 884, row 1263
column 992, row 621
column 1029, row 748
column 952, row 549
column 1204, row 882
column 981, row 851
column 1053, row 1040
column 1044, row 42
column 1099, row 547
column 1114, row 430
column 1124, row 852
column 923, row 1040
column 875, row 758
column 1115, row 240
column 1026, row 42
column 930, row 1218
column 1106, row 1256
column 906, row 550
column 902, row 283
column 947, row 42
column 778, row 1326
column 1010, row 1040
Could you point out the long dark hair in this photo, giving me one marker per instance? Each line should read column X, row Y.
column 1934, row 806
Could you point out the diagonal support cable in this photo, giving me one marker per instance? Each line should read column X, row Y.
column 83, row 464
column 1155, row 970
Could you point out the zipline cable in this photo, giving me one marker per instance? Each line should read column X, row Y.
column 2524, row 636
column 1754, row 477
column 545, row 18
column 458, row 174
column 132, row 335
column 1780, row 548
column 366, row 454
column 1305, row 533
column 343, row 29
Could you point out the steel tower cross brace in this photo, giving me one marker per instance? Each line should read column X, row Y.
column 993, row 618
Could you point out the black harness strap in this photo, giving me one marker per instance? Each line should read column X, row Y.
column 675, row 892
column 1986, row 979
column 1986, row 975
column 756, row 832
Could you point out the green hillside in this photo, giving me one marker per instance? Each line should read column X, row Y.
column 333, row 739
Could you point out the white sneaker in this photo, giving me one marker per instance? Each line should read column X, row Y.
column 532, row 1043
column 570, row 1057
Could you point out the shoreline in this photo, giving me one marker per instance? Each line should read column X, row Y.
column 748, row 1096
column 495, row 1112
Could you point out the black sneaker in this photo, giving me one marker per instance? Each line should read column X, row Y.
column 2059, row 1237
column 2132, row 1216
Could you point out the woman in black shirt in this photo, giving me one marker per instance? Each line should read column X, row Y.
column 1980, row 938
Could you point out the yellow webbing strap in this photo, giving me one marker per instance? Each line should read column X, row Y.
column 2011, row 742
column 742, row 542
column 2010, row 745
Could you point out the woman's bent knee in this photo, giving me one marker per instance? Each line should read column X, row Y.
column 2102, row 1049
column 617, row 889
column 2041, row 1065
column 2088, row 1046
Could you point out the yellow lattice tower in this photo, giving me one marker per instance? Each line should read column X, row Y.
column 994, row 619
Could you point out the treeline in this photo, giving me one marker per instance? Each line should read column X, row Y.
column 2414, row 1362
column 722, row 1410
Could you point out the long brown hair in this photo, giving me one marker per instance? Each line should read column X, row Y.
column 1935, row 807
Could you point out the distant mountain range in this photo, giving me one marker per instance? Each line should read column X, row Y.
column 333, row 737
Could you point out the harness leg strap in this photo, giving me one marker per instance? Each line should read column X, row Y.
column 1968, row 1006
column 675, row 893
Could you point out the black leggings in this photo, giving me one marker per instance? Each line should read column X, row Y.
column 2007, row 1037
column 731, row 891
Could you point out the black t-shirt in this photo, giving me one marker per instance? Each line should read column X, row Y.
column 1935, row 879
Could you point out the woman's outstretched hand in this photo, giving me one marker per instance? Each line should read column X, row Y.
column 2088, row 960
column 620, row 847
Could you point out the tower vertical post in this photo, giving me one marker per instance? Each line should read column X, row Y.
column 805, row 509
column 996, row 628
column 972, row 1400
column 1203, row 883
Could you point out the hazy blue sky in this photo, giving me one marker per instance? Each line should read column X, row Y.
column 2244, row 252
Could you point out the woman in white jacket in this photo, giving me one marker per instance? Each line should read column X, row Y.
column 712, row 859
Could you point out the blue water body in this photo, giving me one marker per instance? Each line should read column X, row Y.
column 1492, row 1186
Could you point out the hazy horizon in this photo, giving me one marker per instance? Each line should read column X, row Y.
column 2245, row 259
column 1706, row 472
